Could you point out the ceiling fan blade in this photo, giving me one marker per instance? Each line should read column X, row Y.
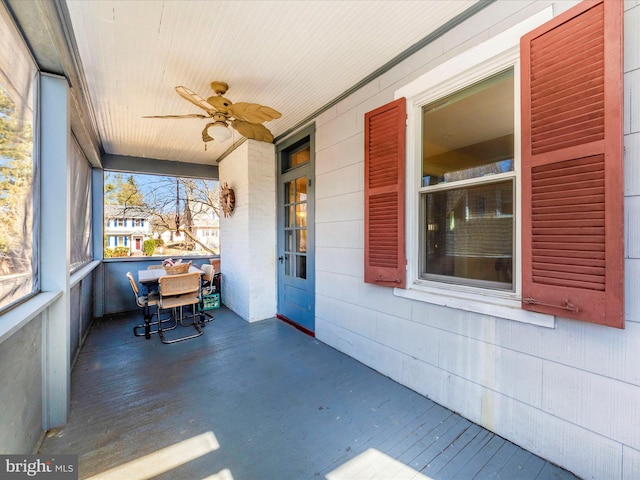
column 252, row 112
column 191, row 115
column 194, row 98
column 252, row 130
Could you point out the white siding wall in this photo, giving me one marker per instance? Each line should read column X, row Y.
column 570, row 394
column 248, row 237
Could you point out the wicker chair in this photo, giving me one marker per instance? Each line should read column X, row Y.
column 154, row 287
column 207, row 288
column 145, row 302
column 207, row 279
column 177, row 292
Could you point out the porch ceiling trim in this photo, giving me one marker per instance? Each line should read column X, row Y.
column 123, row 163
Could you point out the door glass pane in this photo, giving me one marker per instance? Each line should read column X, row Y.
column 300, row 157
column 288, row 242
column 289, row 192
column 301, row 241
column 301, row 266
column 288, row 265
column 289, row 217
column 301, row 215
column 296, row 157
column 301, row 189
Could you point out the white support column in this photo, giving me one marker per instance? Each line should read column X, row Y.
column 55, row 247
column 97, row 204
column 248, row 237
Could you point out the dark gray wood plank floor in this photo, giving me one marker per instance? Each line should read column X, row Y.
column 262, row 401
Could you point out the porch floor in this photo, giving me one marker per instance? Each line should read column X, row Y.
column 262, row 401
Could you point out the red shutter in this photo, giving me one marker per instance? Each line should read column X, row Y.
column 572, row 165
column 384, row 203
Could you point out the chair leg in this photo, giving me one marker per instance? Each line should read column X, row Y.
column 147, row 323
column 145, row 328
column 180, row 318
column 205, row 316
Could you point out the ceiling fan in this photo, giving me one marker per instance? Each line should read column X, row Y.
column 244, row 117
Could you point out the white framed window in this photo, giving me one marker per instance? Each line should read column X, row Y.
column 463, row 181
column 468, row 181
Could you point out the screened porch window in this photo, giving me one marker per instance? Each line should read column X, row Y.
column 19, row 190
column 167, row 214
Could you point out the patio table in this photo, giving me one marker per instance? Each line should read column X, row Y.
column 152, row 276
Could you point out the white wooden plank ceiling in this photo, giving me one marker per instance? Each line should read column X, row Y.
column 294, row 56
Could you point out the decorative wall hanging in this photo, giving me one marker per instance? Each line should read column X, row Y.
column 227, row 199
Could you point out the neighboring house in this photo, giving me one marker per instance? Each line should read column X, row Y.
column 205, row 228
column 126, row 227
column 200, row 225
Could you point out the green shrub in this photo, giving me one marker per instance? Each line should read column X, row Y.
column 149, row 247
column 121, row 252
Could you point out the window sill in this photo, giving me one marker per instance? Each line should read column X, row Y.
column 83, row 271
column 495, row 306
column 18, row 317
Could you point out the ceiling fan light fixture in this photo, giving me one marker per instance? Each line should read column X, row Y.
column 220, row 131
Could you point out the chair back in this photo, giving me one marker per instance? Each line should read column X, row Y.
column 136, row 290
column 179, row 290
column 208, row 272
column 179, row 284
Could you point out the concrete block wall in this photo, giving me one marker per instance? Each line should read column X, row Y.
column 570, row 393
column 248, row 236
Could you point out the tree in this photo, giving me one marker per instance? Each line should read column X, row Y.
column 119, row 191
column 204, row 195
column 16, row 187
column 186, row 198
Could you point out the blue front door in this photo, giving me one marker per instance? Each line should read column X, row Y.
column 296, row 262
